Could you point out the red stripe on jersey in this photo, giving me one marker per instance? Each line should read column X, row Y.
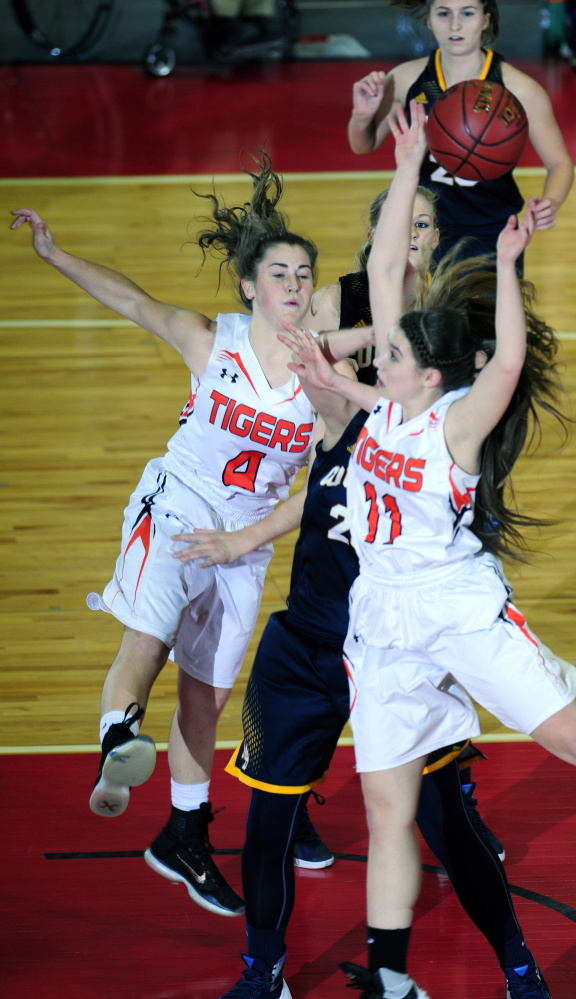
column 513, row 615
column 189, row 407
column 290, row 397
column 236, row 357
column 390, row 405
column 143, row 533
column 461, row 500
column 353, row 689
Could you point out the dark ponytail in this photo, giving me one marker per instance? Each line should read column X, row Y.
column 463, row 291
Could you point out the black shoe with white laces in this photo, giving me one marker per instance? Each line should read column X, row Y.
column 188, row 860
column 127, row 760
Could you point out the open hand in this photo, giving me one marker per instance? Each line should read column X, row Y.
column 516, row 235
column 308, row 361
column 410, row 138
column 367, row 94
column 208, row 547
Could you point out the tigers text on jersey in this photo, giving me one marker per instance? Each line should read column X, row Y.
column 464, row 205
column 410, row 504
column 240, row 442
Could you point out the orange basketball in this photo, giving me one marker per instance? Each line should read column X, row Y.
column 477, row 130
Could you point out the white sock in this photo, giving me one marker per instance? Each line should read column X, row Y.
column 395, row 983
column 112, row 718
column 188, row 797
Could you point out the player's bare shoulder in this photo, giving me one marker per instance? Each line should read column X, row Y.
column 404, row 75
column 324, row 311
column 195, row 334
column 524, row 87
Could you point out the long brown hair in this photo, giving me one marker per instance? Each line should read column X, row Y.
column 242, row 234
column 454, row 321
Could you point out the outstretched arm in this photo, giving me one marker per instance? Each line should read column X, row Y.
column 470, row 419
column 335, row 395
column 188, row 332
column 391, row 243
column 547, row 139
column 222, row 547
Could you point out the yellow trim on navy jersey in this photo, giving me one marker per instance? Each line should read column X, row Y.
column 231, row 768
column 443, row 761
column 483, row 74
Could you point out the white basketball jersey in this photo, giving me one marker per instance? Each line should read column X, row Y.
column 240, row 442
column 411, row 505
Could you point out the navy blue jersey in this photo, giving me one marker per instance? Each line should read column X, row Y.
column 325, row 564
column 464, row 206
column 355, row 311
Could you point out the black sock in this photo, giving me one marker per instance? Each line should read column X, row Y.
column 466, row 775
column 516, row 953
column 266, row 944
column 388, row 949
column 179, row 822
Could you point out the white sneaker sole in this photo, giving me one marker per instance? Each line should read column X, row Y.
column 125, row 766
column 176, row 878
column 313, row 865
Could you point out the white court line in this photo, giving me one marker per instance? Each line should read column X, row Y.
column 226, row 744
column 219, row 178
column 47, row 324
column 21, row 324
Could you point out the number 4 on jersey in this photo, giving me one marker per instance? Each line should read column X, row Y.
column 242, row 470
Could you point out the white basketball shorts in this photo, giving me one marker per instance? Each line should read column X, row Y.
column 206, row 615
column 406, row 636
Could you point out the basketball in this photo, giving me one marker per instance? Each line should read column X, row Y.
column 477, row 130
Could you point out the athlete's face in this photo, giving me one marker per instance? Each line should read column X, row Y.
column 425, row 235
column 399, row 377
column 283, row 286
column 457, row 26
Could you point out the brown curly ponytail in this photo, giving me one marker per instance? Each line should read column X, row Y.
column 242, row 234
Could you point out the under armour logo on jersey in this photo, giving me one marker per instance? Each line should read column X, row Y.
column 377, row 409
column 224, row 374
column 357, row 638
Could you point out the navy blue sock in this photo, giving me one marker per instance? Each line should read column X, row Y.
column 266, row 944
column 516, row 953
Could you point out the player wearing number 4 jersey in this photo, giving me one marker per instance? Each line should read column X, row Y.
column 462, row 29
column 244, row 434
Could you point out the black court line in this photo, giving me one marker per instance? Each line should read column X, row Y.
column 532, row 896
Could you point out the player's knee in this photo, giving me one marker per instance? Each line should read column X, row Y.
column 142, row 651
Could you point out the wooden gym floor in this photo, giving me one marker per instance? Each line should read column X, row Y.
column 108, row 157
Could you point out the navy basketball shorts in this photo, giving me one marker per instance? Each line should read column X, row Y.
column 297, row 702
